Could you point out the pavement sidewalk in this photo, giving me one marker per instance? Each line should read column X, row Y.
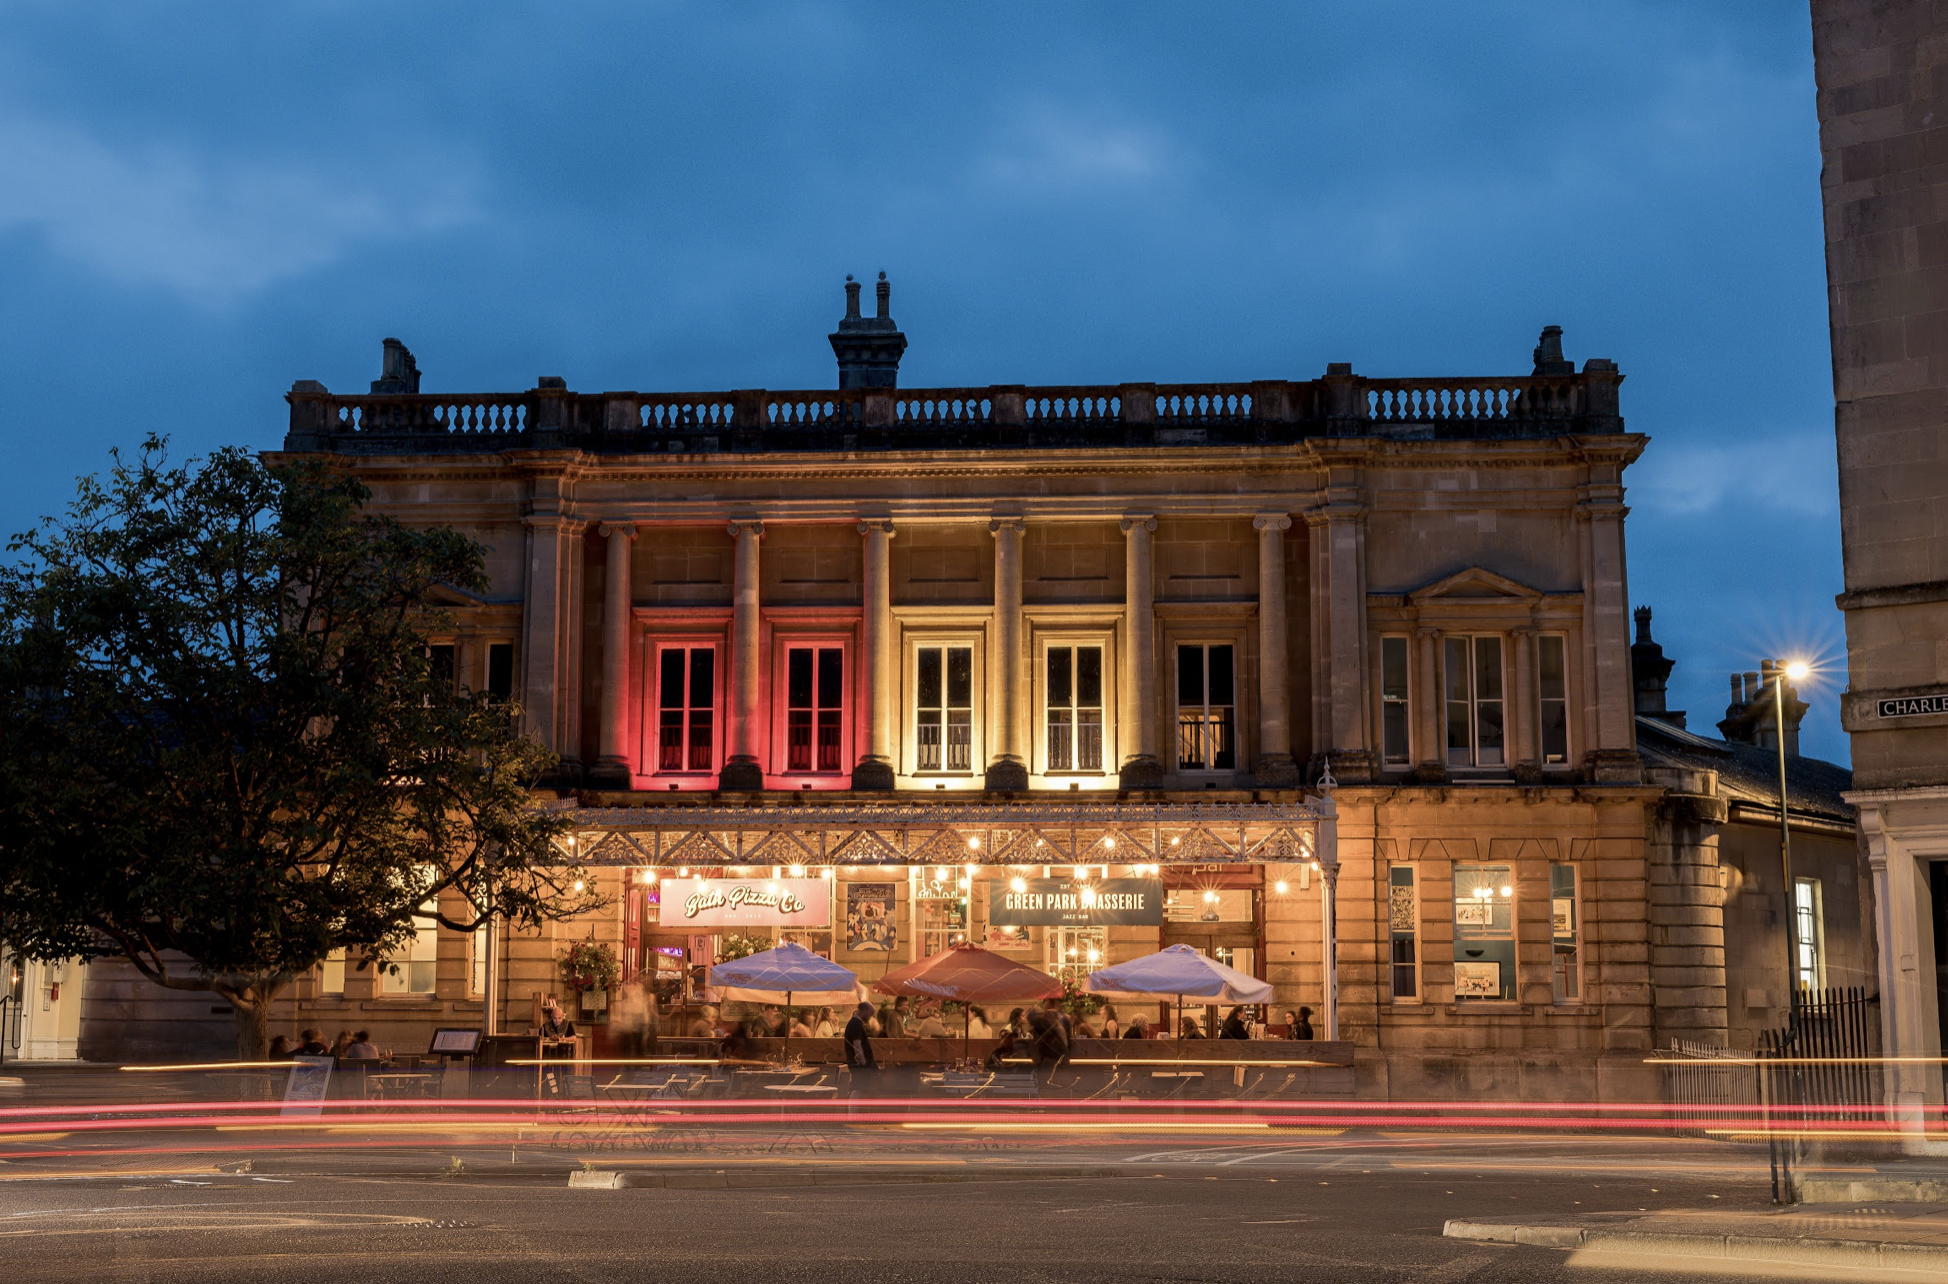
column 1892, row 1240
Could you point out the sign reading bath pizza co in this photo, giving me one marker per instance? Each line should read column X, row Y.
column 1912, row 706
column 746, row 902
column 1057, row 902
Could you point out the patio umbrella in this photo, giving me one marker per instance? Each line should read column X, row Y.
column 785, row 970
column 1178, row 972
column 969, row 974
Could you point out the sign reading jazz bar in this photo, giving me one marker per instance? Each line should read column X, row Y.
column 1912, row 706
column 1058, row 902
column 739, row 902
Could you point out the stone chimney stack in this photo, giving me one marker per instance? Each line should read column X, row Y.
column 398, row 372
column 868, row 349
column 1749, row 717
column 1548, row 353
column 1650, row 673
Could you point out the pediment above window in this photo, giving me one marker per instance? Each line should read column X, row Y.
column 1474, row 584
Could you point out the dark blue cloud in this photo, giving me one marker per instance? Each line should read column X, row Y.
column 199, row 205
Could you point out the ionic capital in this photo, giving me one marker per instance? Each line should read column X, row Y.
column 877, row 525
column 1135, row 521
column 739, row 527
column 1272, row 522
column 610, row 530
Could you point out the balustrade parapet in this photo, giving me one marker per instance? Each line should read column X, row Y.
column 1000, row 416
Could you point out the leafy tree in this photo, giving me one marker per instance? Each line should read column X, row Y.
column 225, row 747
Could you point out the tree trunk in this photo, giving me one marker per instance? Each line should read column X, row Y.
column 253, row 1025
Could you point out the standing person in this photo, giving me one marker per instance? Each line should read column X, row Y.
column 1112, row 1029
column 859, row 1052
column 1299, row 1026
column 1061, row 1017
column 1047, row 1046
column 629, row 1017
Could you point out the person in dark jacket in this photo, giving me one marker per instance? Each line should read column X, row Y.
column 1299, row 1025
column 1235, row 1026
column 859, row 1051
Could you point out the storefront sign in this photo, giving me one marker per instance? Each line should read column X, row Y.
column 1059, row 902
column 1912, row 706
column 741, row 902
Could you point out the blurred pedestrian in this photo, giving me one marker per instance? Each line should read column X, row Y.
column 863, row 1070
column 361, row 1048
column 977, row 1024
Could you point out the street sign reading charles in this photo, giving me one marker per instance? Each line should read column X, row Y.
column 1058, row 902
column 1912, row 706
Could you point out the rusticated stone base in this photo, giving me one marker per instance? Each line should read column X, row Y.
column 741, row 775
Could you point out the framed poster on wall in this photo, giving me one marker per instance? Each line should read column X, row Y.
column 1478, row 980
column 869, row 920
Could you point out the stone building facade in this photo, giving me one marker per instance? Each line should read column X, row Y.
column 904, row 657
column 1883, row 113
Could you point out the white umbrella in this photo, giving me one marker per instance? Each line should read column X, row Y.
column 776, row 974
column 1179, row 972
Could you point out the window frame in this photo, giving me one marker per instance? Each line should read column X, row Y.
column 942, row 641
column 1566, row 981
column 1474, row 700
column 1410, row 935
column 779, row 758
column 1174, row 676
column 1404, row 702
column 1805, row 944
column 1568, row 719
column 1038, row 731
column 426, row 933
column 650, row 739
column 1492, row 933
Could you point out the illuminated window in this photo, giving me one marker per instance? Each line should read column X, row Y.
column 1075, row 708
column 1565, row 932
column 1484, row 933
column 1393, row 701
column 1403, row 927
column 414, row 969
column 1072, row 953
column 1473, row 688
column 1809, row 929
column 1552, row 702
column 814, row 708
column 332, row 973
column 686, row 709
column 477, row 959
column 1206, row 708
column 944, row 708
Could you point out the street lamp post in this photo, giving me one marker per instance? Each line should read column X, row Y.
column 1780, row 673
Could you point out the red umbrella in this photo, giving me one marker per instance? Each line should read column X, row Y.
column 972, row 975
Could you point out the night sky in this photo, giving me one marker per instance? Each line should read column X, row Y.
column 200, row 204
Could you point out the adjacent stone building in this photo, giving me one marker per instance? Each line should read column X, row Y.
column 1077, row 672
column 1883, row 109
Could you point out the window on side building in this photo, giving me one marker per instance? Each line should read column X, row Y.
column 1073, row 695
column 1565, row 934
column 814, row 709
column 1206, row 708
column 1552, row 698
column 1403, row 927
column 1394, row 720
column 414, row 969
column 477, row 958
column 1484, row 933
column 686, row 709
column 943, row 713
column 331, row 978
column 500, row 670
column 1809, row 931
column 1472, row 681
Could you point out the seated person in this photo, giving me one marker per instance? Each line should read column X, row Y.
column 930, row 1025
column 1080, row 1028
column 1191, row 1029
column 704, row 1024
column 1298, row 1025
column 555, row 1023
column 314, row 1044
column 1003, row 1053
column 977, row 1024
column 799, row 1028
column 823, row 1028
column 1139, row 1027
column 361, row 1048
column 281, row 1048
column 738, row 1044
column 1235, row 1026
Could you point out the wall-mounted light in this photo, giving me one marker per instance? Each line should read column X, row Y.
column 1017, row 885
column 798, row 871
column 1279, row 887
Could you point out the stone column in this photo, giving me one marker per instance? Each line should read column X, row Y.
column 1140, row 768
column 1338, row 528
column 1610, row 727
column 541, row 608
column 1909, row 1024
column 1687, row 910
column 1007, row 767
column 1274, row 768
column 612, row 755
column 1524, row 716
column 744, row 770
column 1429, row 714
column 874, row 770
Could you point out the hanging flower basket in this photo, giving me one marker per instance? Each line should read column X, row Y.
column 588, row 965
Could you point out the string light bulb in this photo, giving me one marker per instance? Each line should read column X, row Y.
column 1279, row 887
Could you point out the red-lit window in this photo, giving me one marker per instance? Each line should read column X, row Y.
column 814, row 708
column 686, row 709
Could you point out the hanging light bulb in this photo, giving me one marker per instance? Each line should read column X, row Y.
column 1508, row 891
column 1279, row 887
column 1109, row 841
column 1017, row 884
column 579, row 885
column 974, row 844
column 798, row 871
column 1093, row 956
column 684, row 872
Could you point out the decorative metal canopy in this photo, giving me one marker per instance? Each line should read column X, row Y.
column 935, row 833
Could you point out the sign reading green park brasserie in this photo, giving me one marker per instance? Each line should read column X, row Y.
column 1061, row 902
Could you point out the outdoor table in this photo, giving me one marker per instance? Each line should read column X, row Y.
column 394, row 1085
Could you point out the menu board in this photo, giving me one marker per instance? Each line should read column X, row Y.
column 304, row 1090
